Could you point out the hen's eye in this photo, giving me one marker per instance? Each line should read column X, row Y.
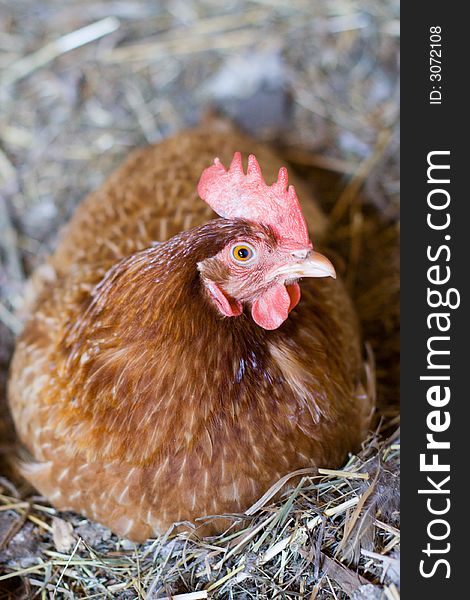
column 242, row 253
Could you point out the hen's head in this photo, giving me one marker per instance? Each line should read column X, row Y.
column 261, row 268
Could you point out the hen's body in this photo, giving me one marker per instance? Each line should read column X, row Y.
column 141, row 405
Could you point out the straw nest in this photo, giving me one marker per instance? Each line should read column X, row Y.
column 81, row 83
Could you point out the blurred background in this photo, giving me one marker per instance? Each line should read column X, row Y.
column 84, row 82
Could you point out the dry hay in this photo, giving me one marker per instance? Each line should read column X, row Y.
column 290, row 548
column 81, row 83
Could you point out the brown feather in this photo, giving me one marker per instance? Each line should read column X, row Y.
column 140, row 404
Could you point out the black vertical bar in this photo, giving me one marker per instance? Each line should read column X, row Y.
column 435, row 120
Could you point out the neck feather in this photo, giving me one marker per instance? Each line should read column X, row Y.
column 151, row 345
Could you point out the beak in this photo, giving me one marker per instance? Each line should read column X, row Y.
column 314, row 265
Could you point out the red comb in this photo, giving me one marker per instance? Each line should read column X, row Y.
column 232, row 194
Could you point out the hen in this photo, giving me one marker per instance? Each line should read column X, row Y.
column 158, row 378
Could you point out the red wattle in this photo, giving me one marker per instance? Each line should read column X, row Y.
column 293, row 289
column 271, row 308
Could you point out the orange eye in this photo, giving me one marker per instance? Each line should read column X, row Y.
column 242, row 253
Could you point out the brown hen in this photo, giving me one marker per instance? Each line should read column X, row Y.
column 158, row 378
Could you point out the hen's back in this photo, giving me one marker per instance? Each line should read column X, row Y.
column 153, row 196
